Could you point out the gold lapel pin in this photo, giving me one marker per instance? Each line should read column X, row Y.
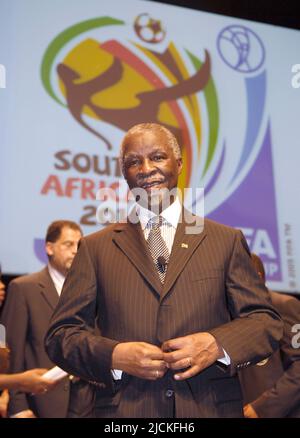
column 184, row 245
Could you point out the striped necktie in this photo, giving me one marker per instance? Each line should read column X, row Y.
column 158, row 247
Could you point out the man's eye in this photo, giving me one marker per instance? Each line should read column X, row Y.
column 131, row 163
column 158, row 157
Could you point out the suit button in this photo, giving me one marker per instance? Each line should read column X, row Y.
column 66, row 387
column 169, row 393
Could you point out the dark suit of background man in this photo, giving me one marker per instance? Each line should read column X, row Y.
column 29, row 381
column 168, row 336
column 272, row 388
column 30, row 302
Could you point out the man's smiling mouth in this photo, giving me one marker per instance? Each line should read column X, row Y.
column 151, row 184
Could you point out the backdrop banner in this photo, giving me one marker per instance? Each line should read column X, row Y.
column 79, row 74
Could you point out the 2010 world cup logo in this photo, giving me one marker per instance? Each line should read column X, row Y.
column 117, row 82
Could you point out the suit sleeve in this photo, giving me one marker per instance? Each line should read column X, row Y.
column 284, row 396
column 255, row 327
column 71, row 341
column 15, row 320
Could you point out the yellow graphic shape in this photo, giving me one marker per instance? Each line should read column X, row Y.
column 166, row 115
column 123, row 93
column 89, row 60
column 182, row 180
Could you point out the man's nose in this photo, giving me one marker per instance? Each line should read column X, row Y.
column 75, row 248
column 147, row 166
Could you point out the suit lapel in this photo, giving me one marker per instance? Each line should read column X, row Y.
column 183, row 248
column 48, row 290
column 129, row 238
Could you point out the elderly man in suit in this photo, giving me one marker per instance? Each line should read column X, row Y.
column 271, row 388
column 178, row 313
column 30, row 302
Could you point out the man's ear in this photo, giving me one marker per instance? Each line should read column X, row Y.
column 121, row 165
column 180, row 165
column 49, row 248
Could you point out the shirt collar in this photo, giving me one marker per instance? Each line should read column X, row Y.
column 56, row 276
column 171, row 214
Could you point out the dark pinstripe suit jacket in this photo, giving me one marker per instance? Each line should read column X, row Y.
column 273, row 387
column 210, row 286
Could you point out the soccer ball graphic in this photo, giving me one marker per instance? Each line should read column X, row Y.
column 149, row 29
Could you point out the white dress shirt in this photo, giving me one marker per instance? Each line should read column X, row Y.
column 57, row 278
column 171, row 217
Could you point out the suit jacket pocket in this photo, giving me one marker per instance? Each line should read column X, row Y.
column 226, row 390
column 105, row 401
column 104, row 398
column 208, row 274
